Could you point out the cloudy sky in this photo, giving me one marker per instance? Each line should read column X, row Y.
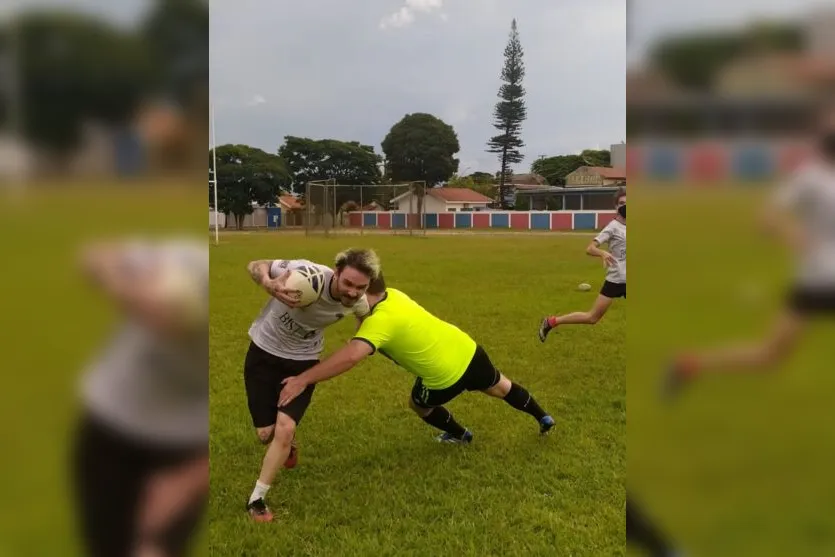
column 350, row 70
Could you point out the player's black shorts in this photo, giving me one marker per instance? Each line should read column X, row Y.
column 110, row 473
column 263, row 374
column 806, row 300
column 481, row 374
column 613, row 290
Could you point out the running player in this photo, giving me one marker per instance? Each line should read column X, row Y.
column 613, row 234
column 286, row 340
column 445, row 360
column 802, row 214
column 141, row 458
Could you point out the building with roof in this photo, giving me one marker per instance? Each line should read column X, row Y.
column 595, row 176
column 442, row 200
column 557, row 198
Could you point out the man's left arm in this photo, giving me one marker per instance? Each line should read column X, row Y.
column 339, row 362
column 336, row 364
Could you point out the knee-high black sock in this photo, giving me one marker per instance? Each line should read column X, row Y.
column 522, row 400
column 640, row 531
column 441, row 418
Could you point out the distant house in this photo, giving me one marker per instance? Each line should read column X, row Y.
column 595, row 176
column 292, row 210
column 443, row 200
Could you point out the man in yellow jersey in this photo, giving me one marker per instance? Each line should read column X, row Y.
column 445, row 359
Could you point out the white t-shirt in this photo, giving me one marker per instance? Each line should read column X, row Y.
column 298, row 333
column 146, row 385
column 810, row 195
column 614, row 234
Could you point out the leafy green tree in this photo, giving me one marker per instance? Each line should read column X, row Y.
column 468, row 182
column 421, row 147
column 247, row 175
column 594, row 157
column 555, row 169
column 692, row 60
column 347, row 162
column 75, row 68
column 483, row 178
column 176, row 33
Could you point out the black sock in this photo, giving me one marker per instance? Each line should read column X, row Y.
column 522, row 400
column 440, row 418
column 640, row 531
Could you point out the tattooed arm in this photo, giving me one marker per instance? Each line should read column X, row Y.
column 261, row 273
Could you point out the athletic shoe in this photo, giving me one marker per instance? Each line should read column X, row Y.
column 259, row 512
column 544, row 329
column 293, row 457
column 545, row 424
column 466, row 439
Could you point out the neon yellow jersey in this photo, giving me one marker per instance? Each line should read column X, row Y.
column 434, row 350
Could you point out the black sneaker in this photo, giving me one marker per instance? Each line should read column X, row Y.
column 259, row 511
column 544, row 329
column 465, row 439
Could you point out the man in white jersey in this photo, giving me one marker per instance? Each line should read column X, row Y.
column 141, row 465
column 802, row 214
column 287, row 340
column 613, row 234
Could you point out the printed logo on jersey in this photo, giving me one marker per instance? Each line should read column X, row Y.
column 292, row 327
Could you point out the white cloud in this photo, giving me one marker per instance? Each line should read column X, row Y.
column 256, row 100
column 406, row 14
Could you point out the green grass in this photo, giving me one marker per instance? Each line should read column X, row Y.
column 371, row 480
column 739, row 465
column 53, row 325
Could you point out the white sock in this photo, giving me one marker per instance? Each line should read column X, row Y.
column 259, row 492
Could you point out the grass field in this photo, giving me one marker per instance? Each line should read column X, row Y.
column 371, row 480
column 739, row 465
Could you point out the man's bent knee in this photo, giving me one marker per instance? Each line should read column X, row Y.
column 285, row 429
column 265, row 434
column 419, row 410
column 593, row 318
column 501, row 388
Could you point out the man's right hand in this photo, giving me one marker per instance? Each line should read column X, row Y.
column 608, row 259
column 277, row 289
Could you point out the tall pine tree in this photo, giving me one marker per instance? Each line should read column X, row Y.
column 510, row 111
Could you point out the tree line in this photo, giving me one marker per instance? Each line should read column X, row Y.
column 420, row 148
column 73, row 67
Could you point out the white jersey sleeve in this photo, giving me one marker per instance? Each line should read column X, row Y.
column 604, row 235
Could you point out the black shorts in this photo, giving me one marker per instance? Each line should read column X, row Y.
column 613, row 290
column 480, row 375
column 263, row 374
column 812, row 301
column 110, row 472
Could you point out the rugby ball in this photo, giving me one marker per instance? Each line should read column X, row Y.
column 308, row 280
column 584, row 287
